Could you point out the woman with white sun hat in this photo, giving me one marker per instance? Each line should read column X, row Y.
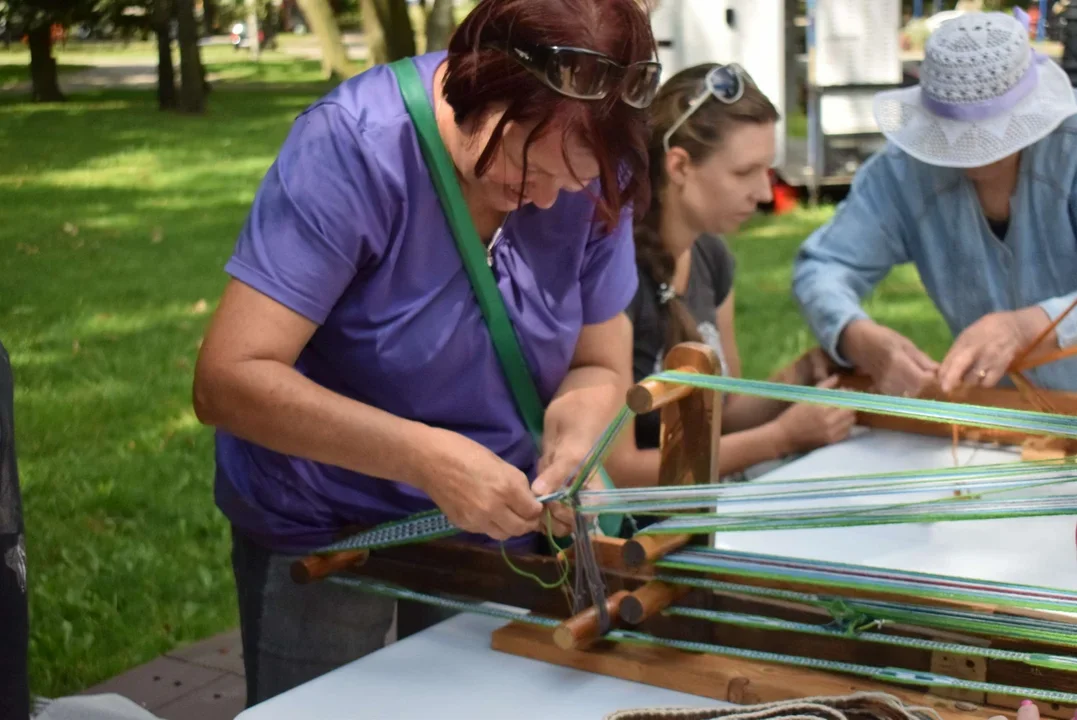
column 977, row 187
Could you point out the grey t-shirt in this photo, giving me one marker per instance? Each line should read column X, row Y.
column 710, row 279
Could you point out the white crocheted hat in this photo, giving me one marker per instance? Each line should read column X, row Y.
column 984, row 94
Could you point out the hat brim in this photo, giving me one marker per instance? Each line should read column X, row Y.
column 902, row 117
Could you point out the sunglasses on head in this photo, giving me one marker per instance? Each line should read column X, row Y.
column 589, row 75
column 724, row 83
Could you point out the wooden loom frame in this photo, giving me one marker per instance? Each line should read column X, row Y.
column 691, row 426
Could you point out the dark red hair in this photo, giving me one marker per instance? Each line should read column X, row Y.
column 481, row 75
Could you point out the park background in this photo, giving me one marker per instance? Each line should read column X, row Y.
column 120, row 204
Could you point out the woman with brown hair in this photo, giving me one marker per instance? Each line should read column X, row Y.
column 425, row 310
column 711, row 149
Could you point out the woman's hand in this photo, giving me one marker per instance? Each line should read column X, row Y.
column 556, row 467
column 893, row 361
column 805, row 427
column 477, row 490
column 983, row 352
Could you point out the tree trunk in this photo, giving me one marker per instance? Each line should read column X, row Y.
column 373, row 34
column 439, row 25
column 253, row 30
column 209, row 16
column 166, row 73
column 323, row 24
column 396, row 29
column 192, row 97
column 44, row 81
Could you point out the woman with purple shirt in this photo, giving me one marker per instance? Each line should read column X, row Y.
column 349, row 369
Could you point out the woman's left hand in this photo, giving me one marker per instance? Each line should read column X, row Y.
column 982, row 353
column 556, row 467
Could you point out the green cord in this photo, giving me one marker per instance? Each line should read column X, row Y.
column 532, row 576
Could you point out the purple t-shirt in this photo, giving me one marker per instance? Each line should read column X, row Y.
column 347, row 230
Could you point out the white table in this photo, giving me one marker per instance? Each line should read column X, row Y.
column 449, row 671
column 1031, row 551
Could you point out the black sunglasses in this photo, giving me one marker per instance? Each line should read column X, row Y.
column 589, row 75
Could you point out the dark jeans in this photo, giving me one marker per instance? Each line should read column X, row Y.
column 14, row 630
column 294, row 633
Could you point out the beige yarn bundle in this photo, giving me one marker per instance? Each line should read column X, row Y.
column 857, row 706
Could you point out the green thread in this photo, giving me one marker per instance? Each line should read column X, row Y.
column 554, row 546
column 885, row 674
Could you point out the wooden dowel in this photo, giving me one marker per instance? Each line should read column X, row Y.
column 1045, row 357
column 650, row 395
column 1027, row 350
column 645, row 549
column 649, row 600
column 581, row 630
column 316, row 567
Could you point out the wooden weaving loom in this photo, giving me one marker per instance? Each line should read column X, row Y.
column 637, row 601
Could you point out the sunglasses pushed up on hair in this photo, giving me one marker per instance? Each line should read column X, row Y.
column 590, row 75
column 724, row 83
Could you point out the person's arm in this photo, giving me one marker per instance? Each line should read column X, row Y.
column 587, row 401
column 983, row 352
column 593, row 391
column 629, row 465
column 740, row 412
column 314, row 224
column 247, row 384
column 842, row 262
column 320, row 217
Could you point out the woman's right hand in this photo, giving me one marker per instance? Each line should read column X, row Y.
column 807, row 426
column 477, row 490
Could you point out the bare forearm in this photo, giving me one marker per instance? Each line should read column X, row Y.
column 273, row 405
column 741, row 450
column 633, row 467
column 630, row 466
column 745, row 412
column 585, row 404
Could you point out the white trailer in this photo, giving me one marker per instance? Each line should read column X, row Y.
column 825, row 63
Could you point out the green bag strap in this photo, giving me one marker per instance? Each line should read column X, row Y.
column 470, row 246
column 492, row 304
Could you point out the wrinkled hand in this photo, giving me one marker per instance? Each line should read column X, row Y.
column 1027, row 711
column 894, row 363
column 983, row 352
column 807, row 426
column 555, row 468
column 477, row 490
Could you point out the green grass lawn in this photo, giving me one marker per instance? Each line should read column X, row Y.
column 118, row 220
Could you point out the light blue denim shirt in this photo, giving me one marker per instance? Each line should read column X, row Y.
column 901, row 210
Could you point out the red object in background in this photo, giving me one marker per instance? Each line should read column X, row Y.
column 785, row 197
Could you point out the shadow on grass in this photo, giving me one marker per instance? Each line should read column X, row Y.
column 109, row 271
column 237, row 125
column 12, row 75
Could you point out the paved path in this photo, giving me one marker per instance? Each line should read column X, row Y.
column 140, row 72
column 203, row 681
